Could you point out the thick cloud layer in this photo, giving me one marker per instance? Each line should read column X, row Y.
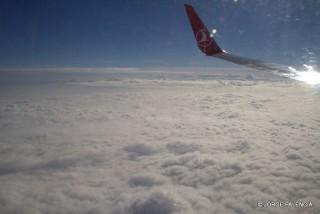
column 151, row 146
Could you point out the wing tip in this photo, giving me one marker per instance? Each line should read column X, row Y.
column 205, row 43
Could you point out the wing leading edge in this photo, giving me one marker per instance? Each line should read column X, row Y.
column 208, row 46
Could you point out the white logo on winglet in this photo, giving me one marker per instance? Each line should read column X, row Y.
column 202, row 38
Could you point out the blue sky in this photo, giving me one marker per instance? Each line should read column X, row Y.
column 143, row 33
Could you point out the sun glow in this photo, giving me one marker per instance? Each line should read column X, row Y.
column 308, row 75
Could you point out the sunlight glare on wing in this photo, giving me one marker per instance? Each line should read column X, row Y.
column 308, row 75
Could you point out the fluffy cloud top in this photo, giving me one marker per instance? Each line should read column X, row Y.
column 160, row 146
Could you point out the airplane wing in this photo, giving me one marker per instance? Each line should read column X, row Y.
column 208, row 46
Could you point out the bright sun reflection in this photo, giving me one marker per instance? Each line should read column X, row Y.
column 308, row 75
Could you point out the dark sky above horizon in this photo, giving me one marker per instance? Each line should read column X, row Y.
column 142, row 33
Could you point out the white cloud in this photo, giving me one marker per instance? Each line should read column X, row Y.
column 159, row 146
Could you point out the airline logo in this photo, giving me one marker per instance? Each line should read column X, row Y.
column 203, row 38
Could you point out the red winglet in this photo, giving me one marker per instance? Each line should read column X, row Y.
column 206, row 44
